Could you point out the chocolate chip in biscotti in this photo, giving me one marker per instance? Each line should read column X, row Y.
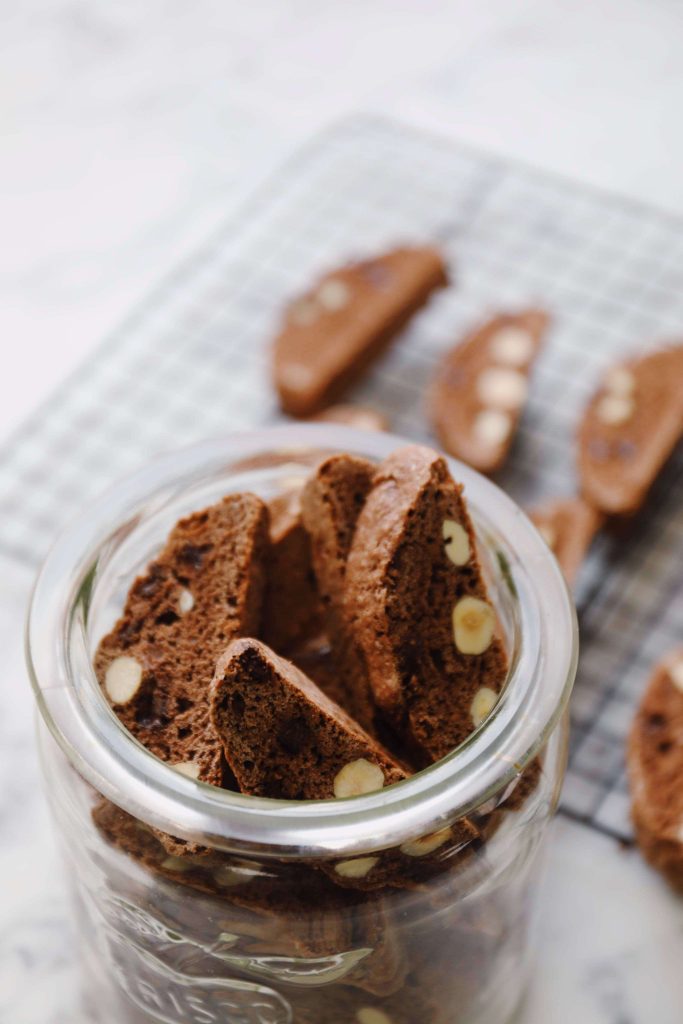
column 291, row 607
column 331, row 502
column 332, row 333
column 481, row 386
column 203, row 589
column 421, row 614
column 284, row 738
column 629, row 429
column 358, row 416
column 568, row 526
column 655, row 768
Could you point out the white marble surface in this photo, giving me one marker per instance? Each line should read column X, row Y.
column 128, row 130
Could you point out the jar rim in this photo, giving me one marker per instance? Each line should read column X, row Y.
column 116, row 765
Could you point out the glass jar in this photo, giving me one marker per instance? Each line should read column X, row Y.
column 251, row 926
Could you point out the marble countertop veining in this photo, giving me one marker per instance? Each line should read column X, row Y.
column 129, row 130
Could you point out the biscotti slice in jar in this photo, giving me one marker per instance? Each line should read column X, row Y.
column 282, row 736
column 291, row 606
column 421, row 614
column 481, row 387
column 349, row 316
column 205, row 588
column 629, row 429
column 655, row 768
column 331, row 502
column 568, row 526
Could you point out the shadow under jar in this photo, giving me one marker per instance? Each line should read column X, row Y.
column 253, row 928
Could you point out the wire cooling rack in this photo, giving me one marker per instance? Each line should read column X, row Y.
column 193, row 361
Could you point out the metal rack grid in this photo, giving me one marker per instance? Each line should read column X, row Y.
column 193, row 361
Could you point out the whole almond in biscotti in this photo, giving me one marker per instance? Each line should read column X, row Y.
column 202, row 590
column 331, row 502
column 481, row 386
column 331, row 334
column 360, row 417
column 568, row 526
column 629, row 429
column 655, row 767
column 291, row 607
column 284, row 738
column 419, row 606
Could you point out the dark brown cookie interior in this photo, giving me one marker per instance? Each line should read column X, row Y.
column 419, row 605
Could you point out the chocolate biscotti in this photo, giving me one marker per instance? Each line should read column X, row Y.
column 291, row 606
column 629, row 429
column 335, row 330
column 284, row 738
column 420, row 610
column 386, row 557
column 481, row 386
column 204, row 588
column 332, row 500
column 655, row 766
column 568, row 526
